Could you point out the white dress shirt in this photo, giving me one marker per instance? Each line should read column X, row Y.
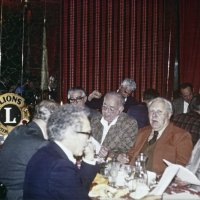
column 185, row 106
column 106, row 127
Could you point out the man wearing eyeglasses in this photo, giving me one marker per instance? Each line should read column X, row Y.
column 114, row 129
column 77, row 96
column 52, row 172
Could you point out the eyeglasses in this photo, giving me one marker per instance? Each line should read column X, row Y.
column 108, row 108
column 77, row 99
column 85, row 133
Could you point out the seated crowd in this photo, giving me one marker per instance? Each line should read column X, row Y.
column 57, row 154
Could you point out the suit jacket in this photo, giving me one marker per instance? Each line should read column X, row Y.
column 51, row 175
column 175, row 145
column 178, row 106
column 120, row 136
column 21, row 143
column 140, row 113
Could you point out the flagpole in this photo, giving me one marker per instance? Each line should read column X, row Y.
column 22, row 47
column 44, row 68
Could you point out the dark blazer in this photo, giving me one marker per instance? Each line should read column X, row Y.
column 140, row 113
column 178, row 106
column 175, row 145
column 51, row 175
column 22, row 142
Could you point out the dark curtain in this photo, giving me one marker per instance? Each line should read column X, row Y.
column 190, row 42
column 105, row 41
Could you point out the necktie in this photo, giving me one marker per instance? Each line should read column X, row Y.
column 153, row 140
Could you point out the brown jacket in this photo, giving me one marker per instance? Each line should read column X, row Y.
column 175, row 145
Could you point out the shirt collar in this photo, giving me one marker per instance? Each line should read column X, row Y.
column 104, row 122
column 66, row 151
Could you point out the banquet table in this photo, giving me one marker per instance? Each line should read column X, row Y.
column 173, row 192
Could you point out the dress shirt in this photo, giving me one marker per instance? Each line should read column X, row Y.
column 70, row 155
column 185, row 107
column 106, row 127
column 67, row 152
column 159, row 133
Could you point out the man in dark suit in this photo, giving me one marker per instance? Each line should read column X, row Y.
column 52, row 172
column 21, row 143
column 181, row 104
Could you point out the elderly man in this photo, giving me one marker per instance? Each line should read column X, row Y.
column 21, row 143
column 181, row 104
column 77, row 96
column 114, row 130
column 52, row 172
column 161, row 140
column 126, row 89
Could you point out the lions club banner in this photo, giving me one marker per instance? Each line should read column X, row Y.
column 12, row 111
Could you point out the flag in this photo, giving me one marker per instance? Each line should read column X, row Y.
column 44, row 69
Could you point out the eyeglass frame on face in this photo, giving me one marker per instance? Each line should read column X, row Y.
column 77, row 99
column 85, row 133
column 109, row 108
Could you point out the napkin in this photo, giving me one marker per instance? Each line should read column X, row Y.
column 180, row 196
column 184, row 174
column 165, row 180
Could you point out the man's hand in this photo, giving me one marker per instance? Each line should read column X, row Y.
column 89, row 152
column 123, row 158
column 95, row 94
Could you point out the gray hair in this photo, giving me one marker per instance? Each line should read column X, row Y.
column 44, row 109
column 168, row 105
column 129, row 83
column 76, row 89
column 118, row 95
column 66, row 116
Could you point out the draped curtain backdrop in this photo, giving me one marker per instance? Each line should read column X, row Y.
column 190, row 42
column 105, row 41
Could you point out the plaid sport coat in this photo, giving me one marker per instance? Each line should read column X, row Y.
column 120, row 136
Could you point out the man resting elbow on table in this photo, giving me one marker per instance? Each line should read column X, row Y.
column 162, row 139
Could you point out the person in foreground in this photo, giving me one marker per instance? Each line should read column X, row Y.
column 162, row 139
column 52, row 172
column 22, row 142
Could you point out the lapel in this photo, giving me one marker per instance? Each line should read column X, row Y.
column 166, row 134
